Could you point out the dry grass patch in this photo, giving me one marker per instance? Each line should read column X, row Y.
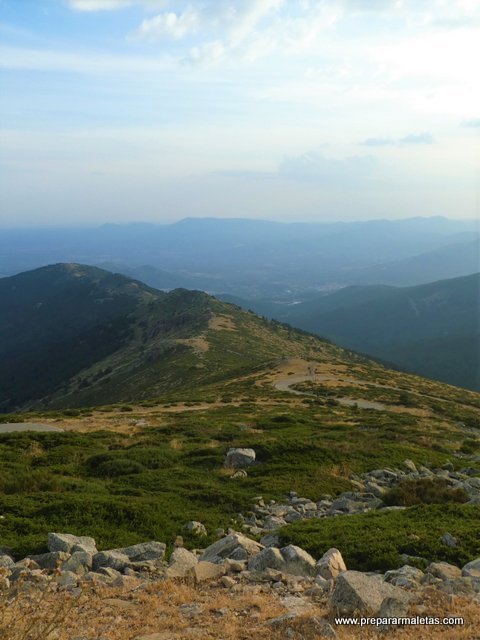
column 177, row 611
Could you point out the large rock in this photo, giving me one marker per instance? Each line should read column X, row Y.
column 6, row 561
column 472, row 569
column 80, row 562
column 464, row 586
column 270, row 558
column 290, row 559
column 144, row 551
column 357, row 592
column 182, row 563
column 331, row 564
column 443, row 570
column 110, row 559
column 69, row 543
column 239, row 458
column 406, row 576
column 235, row 546
column 51, row 560
column 208, row 571
column 298, row 561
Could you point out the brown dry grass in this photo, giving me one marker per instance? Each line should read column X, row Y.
column 139, row 611
column 222, row 323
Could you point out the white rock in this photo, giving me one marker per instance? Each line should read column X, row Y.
column 238, row 458
column 331, row 564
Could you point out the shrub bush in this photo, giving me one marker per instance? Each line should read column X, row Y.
column 424, row 491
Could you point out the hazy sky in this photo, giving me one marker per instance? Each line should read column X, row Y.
column 120, row 110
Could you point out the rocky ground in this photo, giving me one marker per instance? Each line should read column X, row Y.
column 238, row 587
column 372, row 487
column 234, row 588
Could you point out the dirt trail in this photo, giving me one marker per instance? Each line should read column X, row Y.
column 309, row 374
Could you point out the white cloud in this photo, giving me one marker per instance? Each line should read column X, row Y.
column 417, row 138
column 112, row 5
column 409, row 139
column 169, row 24
column 378, row 142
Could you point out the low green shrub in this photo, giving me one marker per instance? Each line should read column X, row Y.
column 375, row 541
column 424, row 491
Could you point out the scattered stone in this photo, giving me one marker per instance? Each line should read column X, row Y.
column 144, row 551
column 410, row 465
column 234, row 566
column 69, row 543
column 270, row 540
column 6, row 561
column 227, row 582
column 296, row 605
column 331, row 564
column 196, row 527
column 182, row 563
column 407, row 577
column 272, row 523
column 191, row 610
column 392, row 608
column 357, row 592
column 443, row 570
column 322, row 628
column 109, row 572
column 270, row 557
column 4, row 583
column 208, row 571
column 241, row 473
column 51, row 560
column 66, row 579
column 449, row 540
column 279, row 621
column 290, row 559
column 472, row 569
column 113, row 559
column 463, row 586
column 238, row 458
column 80, row 562
column 235, row 546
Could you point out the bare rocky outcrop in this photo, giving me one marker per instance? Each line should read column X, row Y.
column 357, row 592
column 368, row 494
column 472, row 569
column 69, row 543
column 331, row 564
column 234, row 545
column 290, row 559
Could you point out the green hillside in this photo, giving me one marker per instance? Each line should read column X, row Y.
column 158, row 387
column 430, row 329
column 72, row 335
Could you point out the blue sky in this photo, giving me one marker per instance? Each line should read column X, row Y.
column 122, row 110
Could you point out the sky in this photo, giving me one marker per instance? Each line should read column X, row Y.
column 289, row 110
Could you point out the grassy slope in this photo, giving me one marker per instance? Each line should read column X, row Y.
column 125, row 483
column 133, row 472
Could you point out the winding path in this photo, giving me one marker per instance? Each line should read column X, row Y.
column 285, row 384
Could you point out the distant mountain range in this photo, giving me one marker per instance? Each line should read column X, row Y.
column 431, row 329
column 254, row 258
